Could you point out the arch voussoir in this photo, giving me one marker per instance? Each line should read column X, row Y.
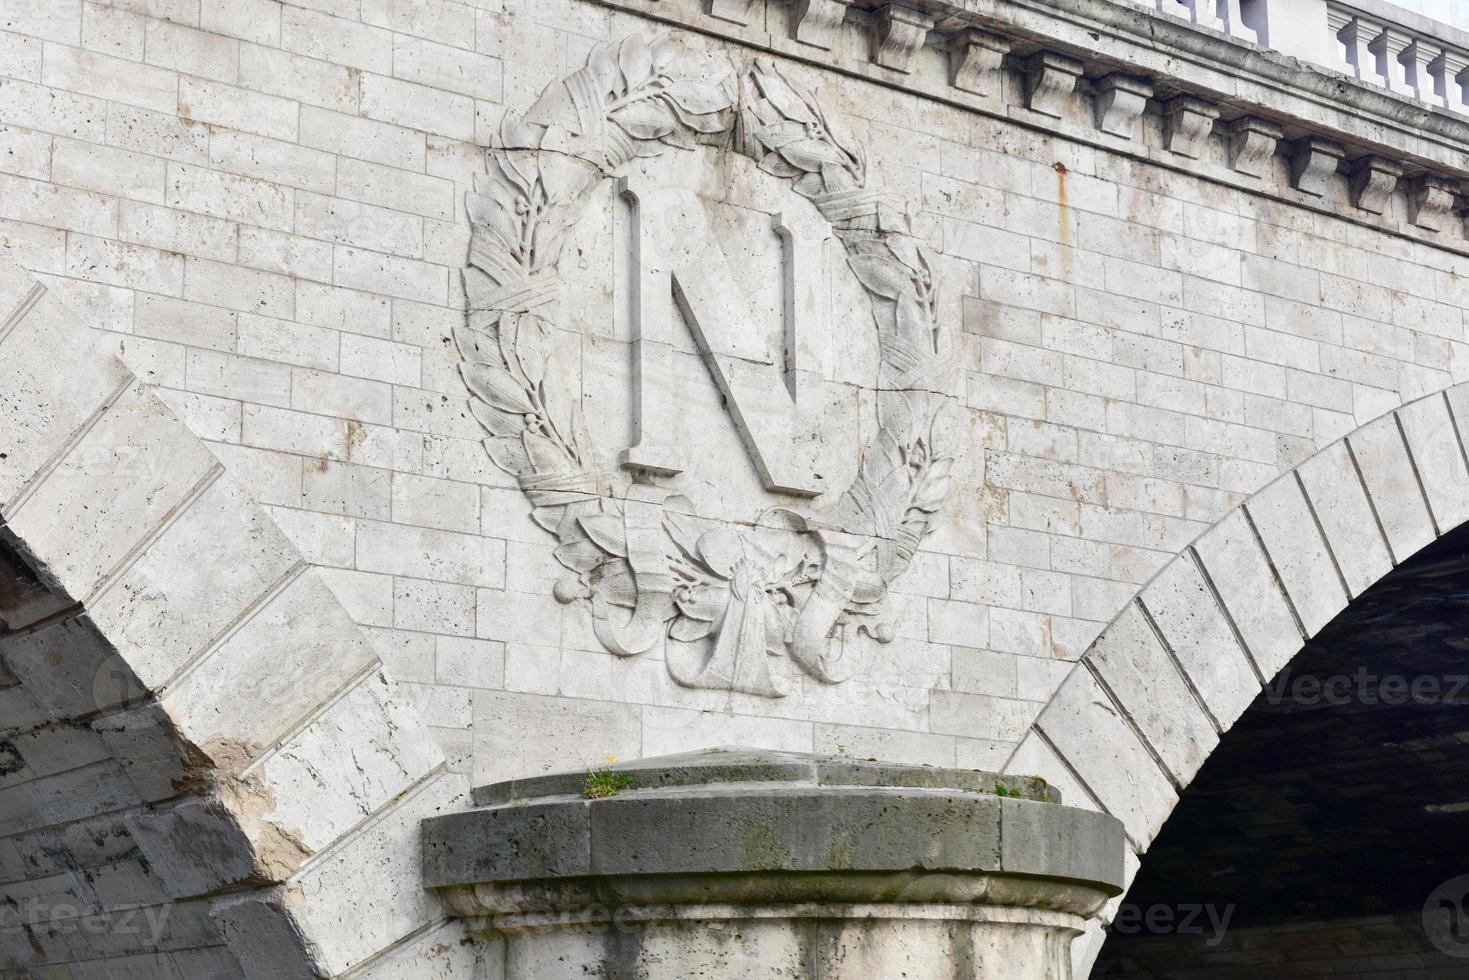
column 190, row 722
column 1135, row 720
column 1340, row 502
column 1392, row 484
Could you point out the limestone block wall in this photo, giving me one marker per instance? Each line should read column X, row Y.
column 204, row 770
column 260, row 206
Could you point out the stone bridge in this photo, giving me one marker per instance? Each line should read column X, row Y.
column 406, row 403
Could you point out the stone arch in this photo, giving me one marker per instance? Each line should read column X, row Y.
column 1148, row 702
column 203, row 766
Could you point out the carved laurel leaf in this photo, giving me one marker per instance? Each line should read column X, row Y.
column 812, row 184
column 681, row 138
column 508, row 453
column 684, row 533
column 635, row 58
column 602, row 65
column 477, row 344
column 706, row 123
column 647, row 120
column 560, row 416
column 607, row 532
column 495, row 211
column 525, row 347
column 665, row 53
column 879, row 275
column 545, row 456
column 810, row 155
column 535, row 351
column 781, row 93
column 581, row 555
column 779, row 133
column 700, row 99
column 516, row 137
column 496, row 422
column 496, row 386
column 836, row 158
column 778, row 166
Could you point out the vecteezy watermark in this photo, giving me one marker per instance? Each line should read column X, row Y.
column 1446, row 917
column 1176, row 919
column 145, row 925
column 1366, row 687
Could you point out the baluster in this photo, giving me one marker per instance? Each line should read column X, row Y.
column 1447, row 86
column 1420, row 56
column 1205, row 14
column 1234, row 21
column 1359, row 36
column 1338, row 21
column 1389, row 48
column 1453, row 66
column 1460, row 79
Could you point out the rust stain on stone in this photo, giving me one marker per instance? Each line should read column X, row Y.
column 1063, row 223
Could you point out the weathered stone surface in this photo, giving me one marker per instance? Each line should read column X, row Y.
column 1397, row 496
column 71, row 669
column 194, row 581
column 1438, row 455
column 130, row 470
column 720, row 766
column 713, row 833
column 1188, row 617
column 1158, row 325
column 49, row 387
column 1231, row 556
column 293, row 653
column 125, row 801
column 1130, row 659
column 1340, row 503
column 1093, row 736
column 1298, row 553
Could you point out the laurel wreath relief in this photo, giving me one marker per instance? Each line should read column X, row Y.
column 648, row 565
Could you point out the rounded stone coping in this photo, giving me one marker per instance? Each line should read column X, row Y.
column 602, row 915
column 737, row 765
column 821, row 830
column 931, row 894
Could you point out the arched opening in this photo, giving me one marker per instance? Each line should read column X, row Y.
column 1323, row 836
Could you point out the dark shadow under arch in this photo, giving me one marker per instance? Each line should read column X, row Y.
column 1330, row 813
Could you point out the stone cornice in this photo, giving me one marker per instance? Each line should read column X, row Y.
column 1112, row 35
column 758, row 827
column 1239, row 80
column 1242, row 77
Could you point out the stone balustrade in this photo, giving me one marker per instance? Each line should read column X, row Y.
column 1406, row 55
column 1376, row 42
column 1091, row 70
column 1240, row 19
